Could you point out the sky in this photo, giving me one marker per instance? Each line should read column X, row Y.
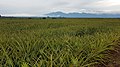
column 41, row 7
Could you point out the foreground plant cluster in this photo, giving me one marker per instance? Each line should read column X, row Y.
column 57, row 42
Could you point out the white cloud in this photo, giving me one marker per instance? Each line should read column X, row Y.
column 38, row 7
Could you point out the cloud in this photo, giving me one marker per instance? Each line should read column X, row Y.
column 38, row 7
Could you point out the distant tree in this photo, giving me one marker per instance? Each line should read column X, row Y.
column 0, row 15
column 43, row 17
column 29, row 18
column 54, row 18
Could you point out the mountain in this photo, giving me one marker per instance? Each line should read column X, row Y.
column 82, row 15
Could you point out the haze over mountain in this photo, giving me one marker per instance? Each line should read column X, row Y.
column 83, row 15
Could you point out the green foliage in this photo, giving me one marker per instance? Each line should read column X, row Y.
column 56, row 42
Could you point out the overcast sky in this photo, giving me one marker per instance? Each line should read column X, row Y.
column 40, row 7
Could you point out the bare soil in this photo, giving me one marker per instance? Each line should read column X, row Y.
column 113, row 56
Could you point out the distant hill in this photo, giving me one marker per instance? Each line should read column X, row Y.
column 82, row 15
